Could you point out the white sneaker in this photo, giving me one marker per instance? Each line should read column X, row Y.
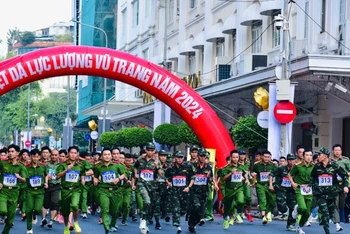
column 338, row 228
column 295, row 212
column 30, row 231
column 34, row 220
column 300, row 231
column 307, row 224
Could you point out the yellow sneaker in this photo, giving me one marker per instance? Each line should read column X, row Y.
column 298, row 219
column 231, row 222
column 225, row 224
column 66, row 230
column 239, row 219
column 77, row 228
column 269, row 217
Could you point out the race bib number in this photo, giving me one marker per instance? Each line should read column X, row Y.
column 160, row 179
column 179, row 181
column 325, row 180
column 286, row 182
column 52, row 173
column 305, row 189
column 201, row 179
column 108, row 176
column 264, row 176
column 72, row 176
column 147, row 175
column 88, row 178
column 236, row 177
column 35, row 181
column 10, row 180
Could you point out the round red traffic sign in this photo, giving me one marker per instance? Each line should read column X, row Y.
column 27, row 143
column 285, row 112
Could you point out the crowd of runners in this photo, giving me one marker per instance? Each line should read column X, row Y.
column 57, row 186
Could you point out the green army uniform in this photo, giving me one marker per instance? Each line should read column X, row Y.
column 70, row 186
column 126, row 192
column 35, row 191
column 267, row 199
column 199, row 193
column 110, row 197
column 10, row 190
column 87, row 189
column 221, row 187
column 22, row 196
column 324, row 185
column 340, row 198
column 285, row 194
column 246, row 188
column 301, row 175
column 234, row 193
column 180, row 177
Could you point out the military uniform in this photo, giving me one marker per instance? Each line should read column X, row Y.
column 87, row 188
column 180, row 176
column 110, row 197
column 10, row 190
column 126, row 192
column 267, row 199
column 285, row 194
column 35, row 191
column 199, row 191
column 325, row 185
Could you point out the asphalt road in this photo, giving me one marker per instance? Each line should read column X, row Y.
column 91, row 226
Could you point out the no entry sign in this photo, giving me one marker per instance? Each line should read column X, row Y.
column 284, row 112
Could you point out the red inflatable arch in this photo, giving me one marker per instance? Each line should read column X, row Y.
column 117, row 65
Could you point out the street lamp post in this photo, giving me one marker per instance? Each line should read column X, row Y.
column 28, row 114
column 105, row 80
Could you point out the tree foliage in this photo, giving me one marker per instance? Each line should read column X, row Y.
column 27, row 38
column 187, row 135
column 138, row 137
column 167, row 134
column 244, row 137
column 108, row 139
column 79, row 140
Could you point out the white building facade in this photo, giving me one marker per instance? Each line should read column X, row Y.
column 235, row 47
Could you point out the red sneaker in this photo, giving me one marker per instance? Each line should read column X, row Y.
column 250, row 217
column 100, row 221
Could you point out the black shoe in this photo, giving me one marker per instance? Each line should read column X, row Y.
column 191, row 230
column 134, row 219
column 150, row 222
column 43, row 222
column 158, row 226
column 202, row 222
column 49, row 225
column 179, row 231
column 186, row 217
column 167, row 219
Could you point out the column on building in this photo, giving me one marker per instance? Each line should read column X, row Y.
column 208, row 47
column 182, row 36
column 241, row 33
column 321, row 120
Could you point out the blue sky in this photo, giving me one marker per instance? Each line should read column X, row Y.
column 30, row 15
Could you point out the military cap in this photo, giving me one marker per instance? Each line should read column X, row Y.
column 150, row 145
column 194, row 147
column 325, row 151
column 162, row 152
column 291, row 157
column 202, row 151
column 179, row 154
column 241, row 152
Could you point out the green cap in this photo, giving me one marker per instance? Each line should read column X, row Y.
column 162, row 152
column 325, row 151
column 179, row 154
column 202, row 151
column 150, row 145
column 291, row 157
column 194, row 147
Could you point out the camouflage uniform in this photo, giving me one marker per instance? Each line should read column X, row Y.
column 180, row 177
column 283, row 190
column 324, row 185
column 163, row 204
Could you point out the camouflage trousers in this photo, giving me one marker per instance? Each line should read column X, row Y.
column 179, row 201
column 197, row 206
column 286, row 201
column 162, row 204
column 147, row 194
column 326, row 206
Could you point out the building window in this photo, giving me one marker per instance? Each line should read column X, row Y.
column 169, row 66
column 323, row 16
column 171, row 11
column 234, row 43
column 192, row 63
column 145, row 54
column 193, row 3
column 135, row 16
column 256, row 37
column 306, row 27
column 220, row 47
column 124, row 23
column 147, row 8
column 342, row 11
column 276, row 34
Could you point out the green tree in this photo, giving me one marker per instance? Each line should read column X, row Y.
column 27, row 38
column 64, row 38
column 79, row 140
column 187, row 135
column 121, row 137
column 137, row 137
column 167, row 134
column 108, row 139
column 245, row 134
column 12, row 37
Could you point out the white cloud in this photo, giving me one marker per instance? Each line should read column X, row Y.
column 30, row 15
